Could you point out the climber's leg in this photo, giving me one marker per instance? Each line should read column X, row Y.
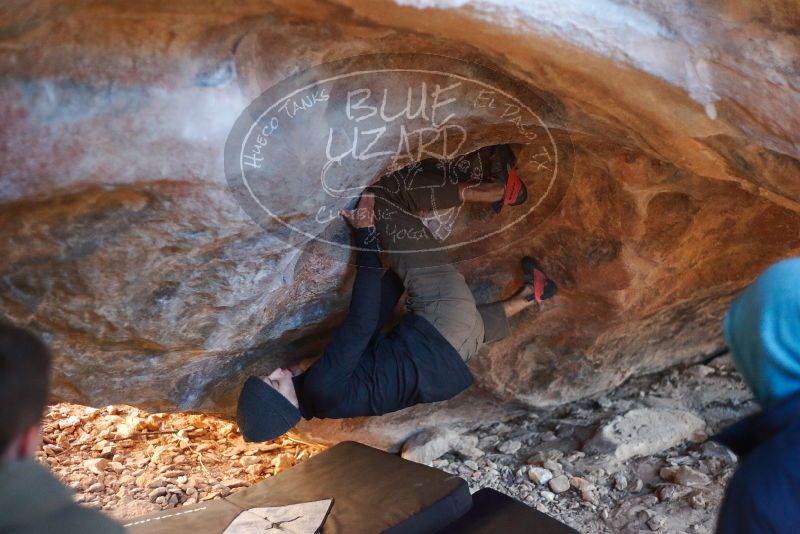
column 436, row 290
column 401, row 197
column 495, row 315
column 495, row 322
column 482, row 192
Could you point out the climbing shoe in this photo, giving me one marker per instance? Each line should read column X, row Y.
column 503, row 168
column 533, row 275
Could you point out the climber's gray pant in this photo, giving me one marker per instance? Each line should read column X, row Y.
column 436, row 290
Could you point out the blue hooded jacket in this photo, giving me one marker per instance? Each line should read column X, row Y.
column 762, row 329
column 763, row 332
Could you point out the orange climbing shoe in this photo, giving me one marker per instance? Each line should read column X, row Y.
column 504, row 170
column 543, row 287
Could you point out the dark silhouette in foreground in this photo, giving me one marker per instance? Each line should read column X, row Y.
column 32, row 500
column 762, row 328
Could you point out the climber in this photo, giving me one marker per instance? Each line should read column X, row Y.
column 762, row 329
column 31, row 499
column 366, row 372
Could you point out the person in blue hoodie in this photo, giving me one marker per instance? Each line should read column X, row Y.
column 762, row 329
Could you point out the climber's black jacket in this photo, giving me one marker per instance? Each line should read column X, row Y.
column 366, row 372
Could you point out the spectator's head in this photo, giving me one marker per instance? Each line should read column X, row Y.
column 268, row 406
column 24, row 389
column 762, row 328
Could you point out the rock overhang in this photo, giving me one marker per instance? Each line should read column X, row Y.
column 126, row 249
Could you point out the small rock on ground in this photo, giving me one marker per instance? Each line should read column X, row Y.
column 559, row 484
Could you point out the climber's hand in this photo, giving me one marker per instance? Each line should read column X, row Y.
column 364, row 214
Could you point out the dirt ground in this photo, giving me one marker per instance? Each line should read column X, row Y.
column 128, row 462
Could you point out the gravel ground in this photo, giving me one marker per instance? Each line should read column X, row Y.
column 128, row 462
column 676, row 490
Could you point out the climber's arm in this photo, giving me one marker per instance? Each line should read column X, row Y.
column 391, row 290
column 327, row 380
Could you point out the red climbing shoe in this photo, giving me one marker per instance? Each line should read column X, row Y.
column 543, row 287
column 503, row 166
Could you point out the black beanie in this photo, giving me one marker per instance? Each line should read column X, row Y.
column 263, row 413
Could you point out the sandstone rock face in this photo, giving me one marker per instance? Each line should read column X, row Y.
column 124, row 245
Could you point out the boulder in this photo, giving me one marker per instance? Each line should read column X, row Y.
column 644, row 431
column 148, row 274
column 429, row 445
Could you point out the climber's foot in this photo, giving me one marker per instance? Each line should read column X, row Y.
column 505, row 172
column 519, row 301
column 525, row 293
column 542, row 287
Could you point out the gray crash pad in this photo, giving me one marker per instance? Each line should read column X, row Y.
column 372, row 491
